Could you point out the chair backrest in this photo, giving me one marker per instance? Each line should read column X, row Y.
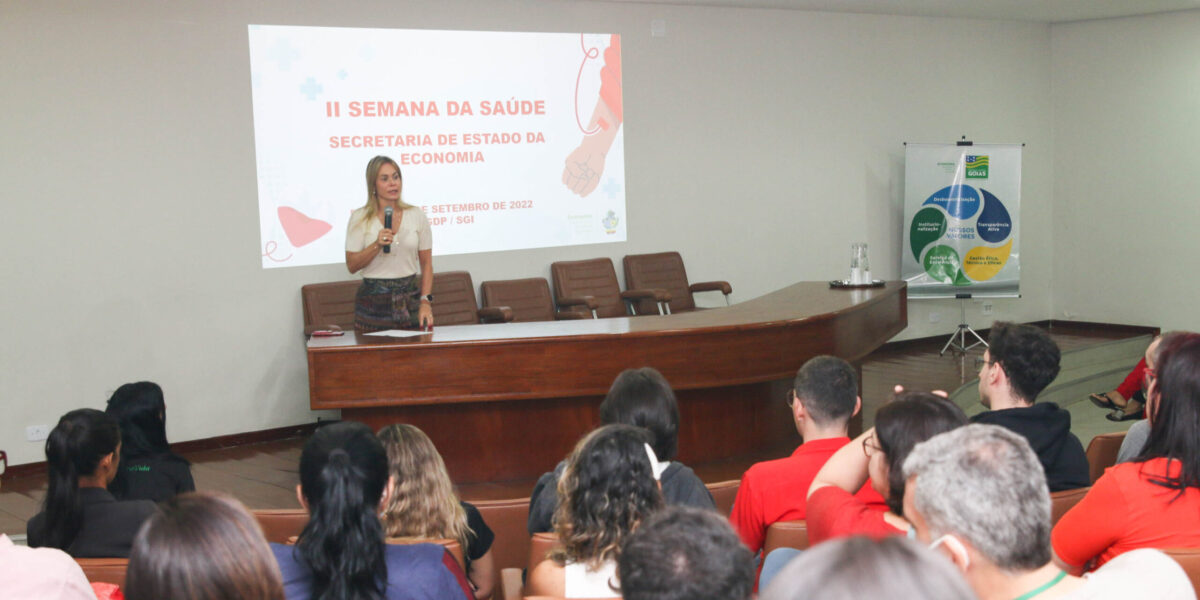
column 507, row 519
column 595, row 277
column 540, row 545
column 454, row 299
column 1062, row 501
column 529, row 299
column 662, row 271
column 786, row 534
column 723, row 493
column 1189, row 559
column 1102, row 452
column 281, row 524
column 104, row 570
column 329, row 303
column 452, row 546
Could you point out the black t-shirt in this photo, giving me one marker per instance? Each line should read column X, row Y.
column 108, row 528
column 156, row 478
column 481, row 536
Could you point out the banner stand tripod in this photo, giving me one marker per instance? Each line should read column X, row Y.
column 960, row 334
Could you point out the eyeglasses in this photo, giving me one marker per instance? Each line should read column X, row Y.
column 791, row 397
column 869, row 447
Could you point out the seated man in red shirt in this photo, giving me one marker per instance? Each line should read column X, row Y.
column 823, row 399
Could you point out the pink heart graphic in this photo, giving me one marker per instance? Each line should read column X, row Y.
column 300, row 228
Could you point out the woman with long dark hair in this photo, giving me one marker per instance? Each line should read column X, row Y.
column 79, row 515
column 1154, row 501
column 341, row 554
column 202, row 546
column 149, row 470
column 608, row 487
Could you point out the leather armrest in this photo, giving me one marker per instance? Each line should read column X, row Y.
column 496, row 314
column 588, row 301
column 656, row 295
column 712, row 286
column 568, row 315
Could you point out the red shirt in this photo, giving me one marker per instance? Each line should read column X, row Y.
column 834, row 512
column 1133, row 381
column 1124, row 511
column 775, row 490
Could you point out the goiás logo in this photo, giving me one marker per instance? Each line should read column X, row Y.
column 977, row 166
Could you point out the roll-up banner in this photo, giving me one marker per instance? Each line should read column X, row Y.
column 962, row 207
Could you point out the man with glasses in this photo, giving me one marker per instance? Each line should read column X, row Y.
column 822, row 401
column 978, row 495
column 1021, row 360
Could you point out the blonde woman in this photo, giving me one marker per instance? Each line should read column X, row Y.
column 396, row 261
column 423, row 504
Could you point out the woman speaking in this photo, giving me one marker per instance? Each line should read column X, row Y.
column 391, row 243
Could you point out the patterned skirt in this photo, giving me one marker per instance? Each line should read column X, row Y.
column 382, row 304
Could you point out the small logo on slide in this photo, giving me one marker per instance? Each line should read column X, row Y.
column 977, row 166
column 610, row 222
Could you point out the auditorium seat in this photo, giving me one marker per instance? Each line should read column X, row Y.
column 1102, row 452
column 540, row 545
column 786, row 534
column 1189, row 559
column 665, row 271
column 508, row 520
column 281, row 524
column 454, row 302
column 577, row 280
column 723, row 493
column 529, row 299
column 328, row 305
column 1062, row 501
column 104, row 570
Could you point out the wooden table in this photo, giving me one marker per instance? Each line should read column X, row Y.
column 508, row 401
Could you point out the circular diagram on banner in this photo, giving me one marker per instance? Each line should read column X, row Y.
column 961, row 217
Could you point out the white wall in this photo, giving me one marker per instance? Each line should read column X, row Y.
column 759, row 143
column 1127, row 193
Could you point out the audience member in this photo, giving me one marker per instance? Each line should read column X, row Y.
column 643, row 398
column 45, row 573
column 1135, row 438
column 684, row 553
column 202, row 546
column 607, row 489
column 823, row 399
column 979, row 495
column 1021, row 360
column 878, row 456
column 859, row 567
column 423, row 504
column 1128, row 401
column 1154, row 501
column 79, row 515
column 149, row 470
column 341, row 552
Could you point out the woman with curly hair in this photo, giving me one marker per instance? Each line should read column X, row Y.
column 608, row 487
column 423, row 504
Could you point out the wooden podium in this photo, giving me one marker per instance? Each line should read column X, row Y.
column 508, row 401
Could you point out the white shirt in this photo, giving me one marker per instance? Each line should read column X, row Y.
column 43, row 573
column 1143, row 573
column 412, row 234
column 582, row 582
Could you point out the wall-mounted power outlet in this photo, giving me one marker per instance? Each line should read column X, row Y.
column 37, row 433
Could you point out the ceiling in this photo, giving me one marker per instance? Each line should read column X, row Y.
column 1041, row 11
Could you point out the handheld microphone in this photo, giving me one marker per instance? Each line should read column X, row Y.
column 387, row 224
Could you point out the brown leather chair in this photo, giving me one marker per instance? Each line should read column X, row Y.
column 104, row 570
column 328, row 305
column 540, row 545
column 664, row 271
column 723, row 493
column 454, row 301
column 1102, row 452
column 1189, row 559
column 1062, row 501
column 528, row 299
column 577, row 280
column 507, row 519
column 786, row 534
column 280, row 525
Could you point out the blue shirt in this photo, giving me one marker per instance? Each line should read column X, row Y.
column 414, row 572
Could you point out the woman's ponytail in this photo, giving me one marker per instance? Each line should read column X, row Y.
column 74, row 449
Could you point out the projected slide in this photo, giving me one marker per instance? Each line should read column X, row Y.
column 505, row 140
